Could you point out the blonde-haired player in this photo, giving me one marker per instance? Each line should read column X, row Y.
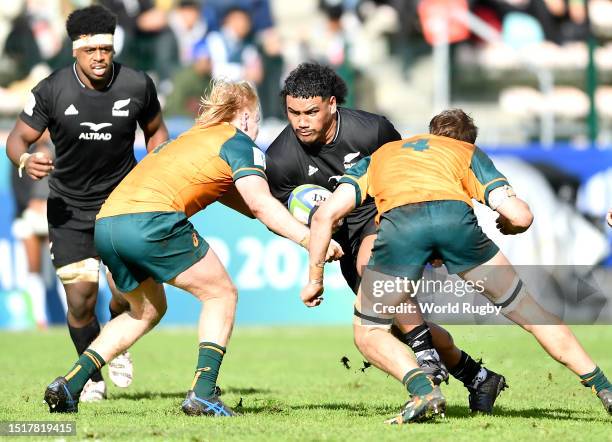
column 144, row 236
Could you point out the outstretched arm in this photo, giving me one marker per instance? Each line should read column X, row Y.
column 340, row 204
column 256, row 194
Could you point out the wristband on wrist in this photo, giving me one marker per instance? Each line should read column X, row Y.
column 22, row 160
column 304, row 241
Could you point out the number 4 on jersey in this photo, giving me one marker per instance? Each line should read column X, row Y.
column 418, row 145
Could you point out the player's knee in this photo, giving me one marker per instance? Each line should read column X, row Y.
column 366, row 327
column 364, row 336
column 223, row 289
column 154, row 315
column 81, row 300
column 360, row 337
column 149, row 313
column 232, row 292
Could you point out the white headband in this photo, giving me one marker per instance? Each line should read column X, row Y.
column 93, row 40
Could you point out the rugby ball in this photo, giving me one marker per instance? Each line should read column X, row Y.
column 304, row 198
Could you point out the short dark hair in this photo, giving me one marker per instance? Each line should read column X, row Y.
column 89, row 21
column 454, row 123
column 236, row 8
column 310, row 80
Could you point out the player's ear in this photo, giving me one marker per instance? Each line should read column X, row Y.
column 244, row 122
column 332, row 104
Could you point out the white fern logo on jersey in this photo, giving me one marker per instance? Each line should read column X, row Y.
column 335, row 179
column 118, row 108
column 71, row 110
column 95, row 134
column 348, row 158
column 312, row 170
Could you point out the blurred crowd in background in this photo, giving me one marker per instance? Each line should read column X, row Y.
column 380, row 47
column 387, row 51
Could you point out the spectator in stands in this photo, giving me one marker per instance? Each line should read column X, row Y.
column 561, row 20
column 148, row 42
column 188, row 27
column 18, row 49
column 189, row 85
column 330, row 45
column 229, row 51
column 265, row 37
column 21, row 66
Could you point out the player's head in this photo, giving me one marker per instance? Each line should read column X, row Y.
column 311, row 95
column 239, row 21
column 454, row 123
column 91, row 30
column 233, row 102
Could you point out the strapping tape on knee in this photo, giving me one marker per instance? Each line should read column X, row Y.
column 512, row 297
column 86, row 270
column 372, row 321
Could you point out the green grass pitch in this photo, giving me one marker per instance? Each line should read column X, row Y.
column 293, row 387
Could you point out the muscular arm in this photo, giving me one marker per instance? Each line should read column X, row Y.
column 340, row 204
column 155, row 132
column 19, row 140
column 256, row 194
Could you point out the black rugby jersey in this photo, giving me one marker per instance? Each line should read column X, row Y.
column 290, row 163
column 93, row 130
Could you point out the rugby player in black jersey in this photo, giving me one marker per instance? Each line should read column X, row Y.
column 91, row 109
column 322, row 141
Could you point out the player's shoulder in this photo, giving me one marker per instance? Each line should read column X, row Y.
column 284, row 142
column 361, row 117
column 131, row 77
column 365, row 128
column 56, row 79
column 231, row 138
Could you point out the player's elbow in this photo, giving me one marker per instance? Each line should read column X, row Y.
column 258, row 207
column 517, row 213
column 11, row 142
column 257, row 211
column 523, row 218
column 526, row 220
